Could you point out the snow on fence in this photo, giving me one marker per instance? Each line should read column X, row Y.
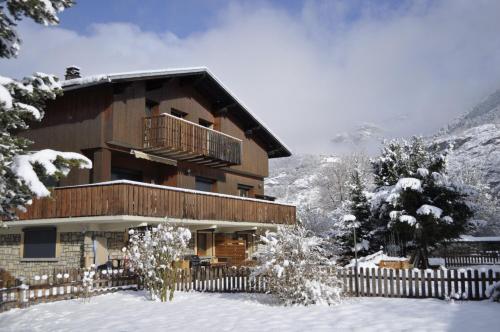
column 63, row 285
column 462, row 284
column 412, row 283
column 482, row 259
column 220, row 279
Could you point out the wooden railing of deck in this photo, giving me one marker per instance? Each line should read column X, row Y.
column 137, row 199
column 169, row 135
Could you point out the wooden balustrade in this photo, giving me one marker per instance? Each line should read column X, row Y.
column 137, row 199
column 170, row 136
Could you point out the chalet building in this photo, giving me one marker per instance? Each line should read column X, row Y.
column 172, row 144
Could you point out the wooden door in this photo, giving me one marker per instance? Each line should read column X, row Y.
column 202, row 244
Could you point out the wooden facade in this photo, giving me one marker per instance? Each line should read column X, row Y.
column 106, row 121
column 191, row 121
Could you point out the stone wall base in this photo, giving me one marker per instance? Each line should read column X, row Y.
column 75, row 251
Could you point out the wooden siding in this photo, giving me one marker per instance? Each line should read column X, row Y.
column 169, row 136
column 254, row 159
column 141, row 200
column 129, row 110
column 77, row 121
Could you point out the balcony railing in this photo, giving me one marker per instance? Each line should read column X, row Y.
column 170, row 136
column 140, row 199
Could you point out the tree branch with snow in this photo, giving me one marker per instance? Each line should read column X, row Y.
column 23, row 172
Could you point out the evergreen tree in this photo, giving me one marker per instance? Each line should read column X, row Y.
column 415, row 199
column 41, row 11
column 22, row 172
column 359, row 207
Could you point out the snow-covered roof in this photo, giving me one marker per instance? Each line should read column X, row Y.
column 82, row 82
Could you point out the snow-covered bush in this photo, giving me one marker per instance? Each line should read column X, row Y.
column 297, row 268
column 493, row 291
column 154, row 254
column 88, row 282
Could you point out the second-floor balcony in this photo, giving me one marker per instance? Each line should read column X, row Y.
column 173, row 137
column 129, row 198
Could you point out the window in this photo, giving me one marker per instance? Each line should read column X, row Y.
column 204, row 184
column 152, row 108
column 177, row 113
column 40, row 243
column 243, row 190
column 206, row 123
column 125, row 174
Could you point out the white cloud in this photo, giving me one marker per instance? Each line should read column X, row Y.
column 313, row 76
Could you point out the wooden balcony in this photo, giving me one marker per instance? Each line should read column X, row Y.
column 140, row 199
column 170, row 136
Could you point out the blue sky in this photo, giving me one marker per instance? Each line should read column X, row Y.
column 182, row 17
column 343, row 73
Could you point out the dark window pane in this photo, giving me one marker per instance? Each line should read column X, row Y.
column 205, row 123
column 243, row 190
column 177, row 113
column 204, row 184
column 40, row 243
column 125, row 174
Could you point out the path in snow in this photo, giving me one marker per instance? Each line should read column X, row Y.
column 130, row 311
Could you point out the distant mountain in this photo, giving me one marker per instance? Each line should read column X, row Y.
column 486, row 112
column 294, row 179
column 475, row 137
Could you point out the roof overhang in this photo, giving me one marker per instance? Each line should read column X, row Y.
column 207, row 82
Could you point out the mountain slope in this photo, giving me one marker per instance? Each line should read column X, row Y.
column 475, row 138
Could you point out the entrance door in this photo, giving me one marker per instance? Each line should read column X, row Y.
column 202, row 244
column 100, row 251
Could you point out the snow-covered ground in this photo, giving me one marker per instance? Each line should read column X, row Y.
column 130, row 311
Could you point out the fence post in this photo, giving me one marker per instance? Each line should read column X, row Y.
column 24, row 296
column 356, row 281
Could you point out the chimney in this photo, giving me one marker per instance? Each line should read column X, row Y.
column 72, row 72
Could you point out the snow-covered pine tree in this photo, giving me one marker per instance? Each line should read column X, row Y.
column 415, row 199
column 22, row 172
column 41, row 11
column 399, row 158
column 360, row 208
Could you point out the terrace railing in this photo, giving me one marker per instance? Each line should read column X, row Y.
column 170, row 136
column 140, row 199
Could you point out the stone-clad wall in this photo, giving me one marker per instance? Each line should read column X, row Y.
column 76, row 248
column 116, row 241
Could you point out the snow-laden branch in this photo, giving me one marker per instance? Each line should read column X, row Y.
column 53, row 163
